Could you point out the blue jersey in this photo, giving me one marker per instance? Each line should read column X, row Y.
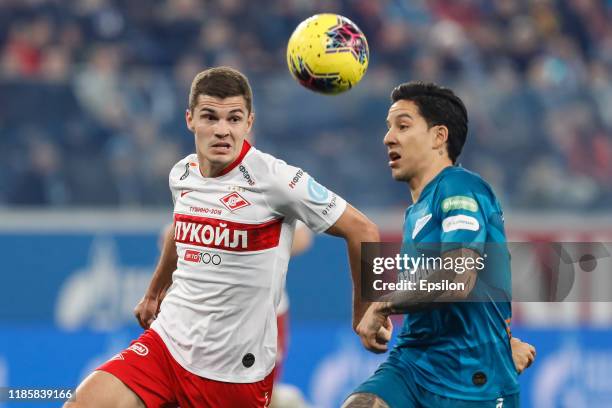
column 460, row 350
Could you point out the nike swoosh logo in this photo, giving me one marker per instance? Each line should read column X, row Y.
column 184, row 193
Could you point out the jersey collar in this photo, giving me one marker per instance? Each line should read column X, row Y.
column 246, row 146
column 434, row 181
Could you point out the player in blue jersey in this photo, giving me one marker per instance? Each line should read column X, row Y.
column 455, row 348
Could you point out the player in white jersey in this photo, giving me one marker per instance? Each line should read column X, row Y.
column 287, row 395
column 213, row 343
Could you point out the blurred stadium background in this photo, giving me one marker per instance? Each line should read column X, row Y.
column 92, row 99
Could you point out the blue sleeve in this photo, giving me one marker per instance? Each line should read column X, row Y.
column 461, row 205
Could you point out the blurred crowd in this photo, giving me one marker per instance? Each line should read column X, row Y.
column 93, row 94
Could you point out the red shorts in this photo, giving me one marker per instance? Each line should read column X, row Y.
column 148, row 369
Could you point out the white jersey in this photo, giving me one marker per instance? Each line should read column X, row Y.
column 233, row 237
column 283, row 304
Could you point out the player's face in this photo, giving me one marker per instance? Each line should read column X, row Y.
column 220, row 125
column 410, row 144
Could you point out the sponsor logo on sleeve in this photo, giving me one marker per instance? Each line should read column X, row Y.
column 419, row 224
column 234, row 201
column 296, row 178
column 316, row 191
column 331, row 205
column 460, row 222
column 459, row 203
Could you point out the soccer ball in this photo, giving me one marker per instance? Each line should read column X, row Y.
column 328, row 53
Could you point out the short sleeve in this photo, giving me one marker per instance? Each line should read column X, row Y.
column 173, row 190
column 296, row 194
column 461, row 208
column 180, row 171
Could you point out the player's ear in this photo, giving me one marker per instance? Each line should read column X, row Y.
column 189, row 120
column 250, row 120
column 440, row 136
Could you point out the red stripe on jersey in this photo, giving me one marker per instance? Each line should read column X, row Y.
column 245, row 149
column 227, row 235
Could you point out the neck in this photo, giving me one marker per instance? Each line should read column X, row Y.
column 419, row 181
column 208, row 169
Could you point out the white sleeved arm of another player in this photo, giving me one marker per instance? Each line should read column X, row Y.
column 294, row 193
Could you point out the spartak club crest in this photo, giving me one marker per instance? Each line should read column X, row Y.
column 234, row 201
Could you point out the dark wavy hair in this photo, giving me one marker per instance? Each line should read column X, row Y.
column 438, row 106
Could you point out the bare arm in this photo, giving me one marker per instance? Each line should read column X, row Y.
column 355, row 228
column 374, row 328
column 401, row 302
column 147, row 308
column 302, row 239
